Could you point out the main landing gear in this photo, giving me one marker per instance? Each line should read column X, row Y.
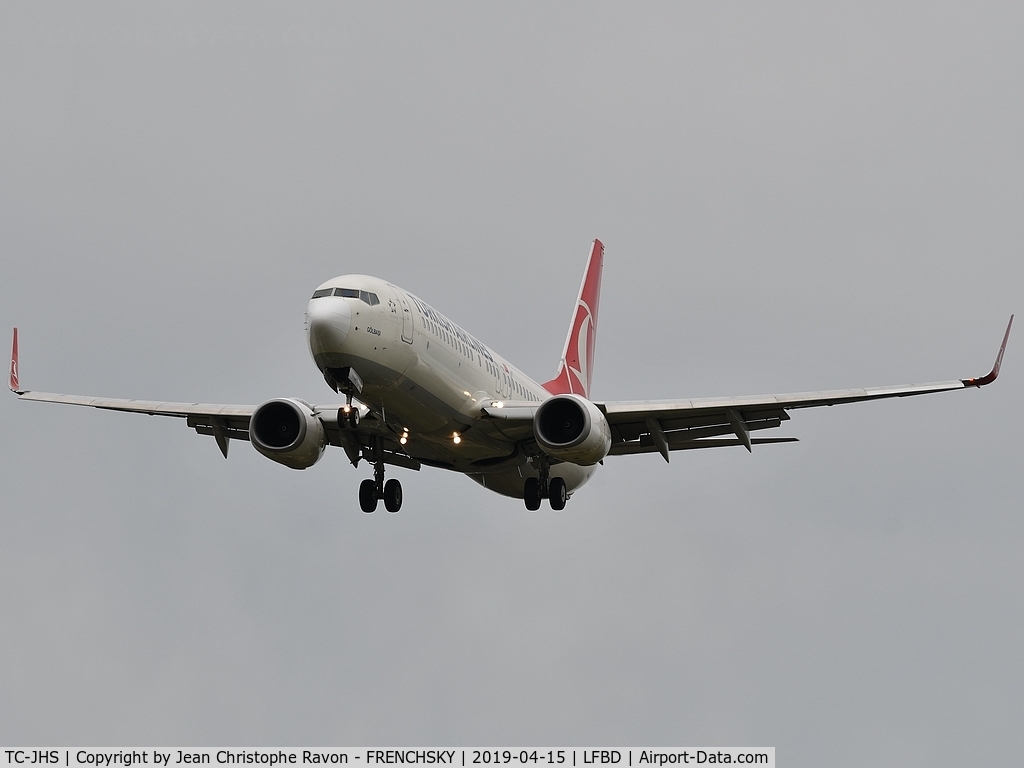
column 535, row 489
column 375, row 489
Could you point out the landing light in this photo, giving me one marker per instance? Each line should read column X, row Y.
column 455, row 438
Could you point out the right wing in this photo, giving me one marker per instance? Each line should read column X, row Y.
column 224, row 422
column 231, row 422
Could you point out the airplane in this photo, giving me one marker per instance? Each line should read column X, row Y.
column 421, row 391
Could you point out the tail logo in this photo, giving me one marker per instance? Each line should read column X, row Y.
column 577, row 364
column 13, row 383
column 584, row 346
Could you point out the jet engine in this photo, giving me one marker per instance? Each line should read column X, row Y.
column 573, row 429
column 287, row 431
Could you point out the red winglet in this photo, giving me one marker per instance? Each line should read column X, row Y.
column 13, row 382
column 991, row 375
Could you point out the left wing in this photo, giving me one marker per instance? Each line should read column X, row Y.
column 646, row 426
column 669, row 425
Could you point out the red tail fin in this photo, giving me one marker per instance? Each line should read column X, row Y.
column 577, row 364
column 13, row 382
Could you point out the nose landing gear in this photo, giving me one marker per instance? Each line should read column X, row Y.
column 348, row 414
column 375, row 489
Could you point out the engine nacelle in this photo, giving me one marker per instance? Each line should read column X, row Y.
column 287, row 431
column 573, row 429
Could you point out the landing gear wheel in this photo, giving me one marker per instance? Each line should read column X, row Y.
column 557, row 493
column 368, row 495
column 392, row 495
column 348, row 415
column 531, row 493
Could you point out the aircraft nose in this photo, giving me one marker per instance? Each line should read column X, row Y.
column 329, row 321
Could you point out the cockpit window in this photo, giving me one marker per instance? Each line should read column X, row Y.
column 348, row 293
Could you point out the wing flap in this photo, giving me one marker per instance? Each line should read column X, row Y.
column 626, row 449
column 233, row 434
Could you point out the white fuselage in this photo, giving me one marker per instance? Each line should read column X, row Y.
column 427, row 376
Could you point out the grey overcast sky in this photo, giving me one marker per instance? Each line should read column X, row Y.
column 792, row 196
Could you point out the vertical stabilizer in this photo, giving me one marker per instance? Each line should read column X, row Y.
column 577, row 364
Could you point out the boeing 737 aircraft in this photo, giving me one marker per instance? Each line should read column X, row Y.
column 419, row 390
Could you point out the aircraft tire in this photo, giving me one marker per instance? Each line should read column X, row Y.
column 531, row 493
column 368, row 496
column 353, row 418
column 393, row 495
column 556, row 493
